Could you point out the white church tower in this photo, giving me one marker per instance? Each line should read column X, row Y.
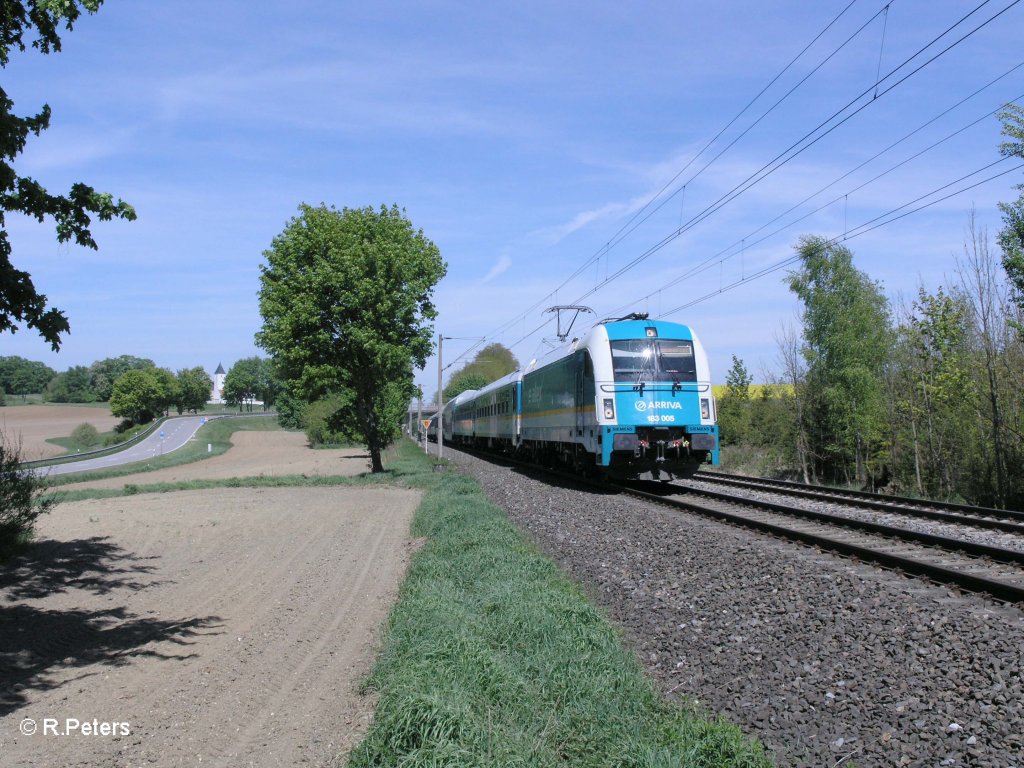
column 217, row 393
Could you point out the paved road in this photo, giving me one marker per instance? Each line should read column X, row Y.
column 172, row 435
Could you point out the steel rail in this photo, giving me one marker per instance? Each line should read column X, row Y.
column 872, row 502
column 999, row 590
column 1011, row 514
column 936, row 572
column 915, row 537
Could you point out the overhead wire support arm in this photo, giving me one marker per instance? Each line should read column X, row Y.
column 576, row 309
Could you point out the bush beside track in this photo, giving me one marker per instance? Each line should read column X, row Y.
column 492, row 657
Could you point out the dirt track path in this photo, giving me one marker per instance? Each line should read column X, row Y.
column 226, row 627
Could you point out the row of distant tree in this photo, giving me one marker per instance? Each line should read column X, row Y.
column 136, row 388
column 78, row 384
column 926, row 396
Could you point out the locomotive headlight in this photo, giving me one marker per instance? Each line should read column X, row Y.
column 609, row 408
column 705, row 408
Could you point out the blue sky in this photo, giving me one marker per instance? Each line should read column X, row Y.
column 520, row 137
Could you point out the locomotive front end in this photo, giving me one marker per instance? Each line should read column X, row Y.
column 655, row 407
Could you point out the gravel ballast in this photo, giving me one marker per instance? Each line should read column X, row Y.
column 828, row 661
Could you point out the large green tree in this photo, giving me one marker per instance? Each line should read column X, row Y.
column 194, row 387
column 846, row 342
column 143, row 393
column 1011, row 236
column 251, row 379
column 38, row 23
column 938, row 389
column 346, row 303
column 734, row 408
column 103, row 373
column 72, row 386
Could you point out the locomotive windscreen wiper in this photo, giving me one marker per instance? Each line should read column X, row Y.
column 648, row 357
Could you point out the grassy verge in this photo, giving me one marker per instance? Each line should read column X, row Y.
column 216, row 433
column 492, row 657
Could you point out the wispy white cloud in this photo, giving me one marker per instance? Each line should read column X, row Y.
column 72, row 147
column 500, row 266
column 583, row 219
column 349, row 95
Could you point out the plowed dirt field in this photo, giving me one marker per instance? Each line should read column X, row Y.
column 33, row 424
column 227, row 627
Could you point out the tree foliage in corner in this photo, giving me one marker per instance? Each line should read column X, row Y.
column 20, row 302
column 346, row 303
column 1011, row 236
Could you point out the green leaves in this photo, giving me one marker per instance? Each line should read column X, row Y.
column 142, row 393
column 345, row 300
column 250, row 379
column 490, row 364
column 847, row 338
column 20, row 301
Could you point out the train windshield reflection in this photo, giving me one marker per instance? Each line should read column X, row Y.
column 637, row 360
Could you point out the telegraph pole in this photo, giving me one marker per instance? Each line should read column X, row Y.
column 440, row 400
column 419, row 421
column 440, row 391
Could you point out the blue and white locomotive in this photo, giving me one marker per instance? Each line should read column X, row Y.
column 631, row 398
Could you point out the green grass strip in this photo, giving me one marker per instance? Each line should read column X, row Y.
column 492, row 657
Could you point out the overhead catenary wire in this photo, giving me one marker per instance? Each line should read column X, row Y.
column 862, row 229
column 795, row 149
column 618, row 239
column 812, row 137
column 626, row 228
column 746, row 239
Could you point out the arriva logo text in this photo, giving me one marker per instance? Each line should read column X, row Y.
column 668, row 405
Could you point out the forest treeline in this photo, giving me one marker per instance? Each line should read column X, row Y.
column 925, row 397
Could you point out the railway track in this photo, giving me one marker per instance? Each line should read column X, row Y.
column 979, row 517
column 994, row 571
column 974, row 567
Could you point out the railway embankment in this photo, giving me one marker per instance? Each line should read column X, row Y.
column 493, row 657
column 827, row 660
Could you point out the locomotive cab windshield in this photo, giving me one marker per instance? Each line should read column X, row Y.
column 635, row 360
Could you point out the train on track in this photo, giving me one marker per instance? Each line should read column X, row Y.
column 630, row 399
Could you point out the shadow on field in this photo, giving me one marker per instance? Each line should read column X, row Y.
column 94, row 564
column 37, row 643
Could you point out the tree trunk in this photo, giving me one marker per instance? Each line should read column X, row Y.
column 376, row 465
column 997, row 434
column 917, row 455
